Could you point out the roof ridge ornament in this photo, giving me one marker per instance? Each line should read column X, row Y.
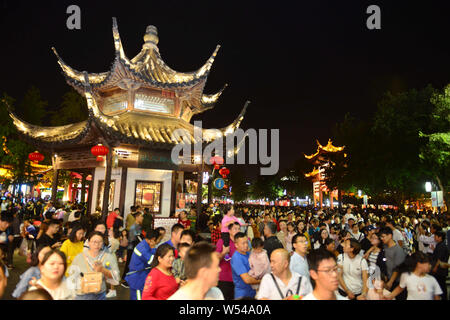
column 151, row 37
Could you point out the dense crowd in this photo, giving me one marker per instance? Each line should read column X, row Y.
column 234, row 252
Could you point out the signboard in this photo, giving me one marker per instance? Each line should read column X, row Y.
column 167, row 224
column 150, row 159
column 219, row 183
column 437, row 199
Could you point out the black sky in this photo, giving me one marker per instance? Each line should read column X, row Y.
column 303, row 64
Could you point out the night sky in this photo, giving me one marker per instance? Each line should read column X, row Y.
column 302, row 64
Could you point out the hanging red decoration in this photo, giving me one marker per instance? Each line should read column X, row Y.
column 225, row 186
column 224, row 172
column 216, row 161
column 99, row 151
column 36, row 157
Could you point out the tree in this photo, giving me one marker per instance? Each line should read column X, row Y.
column 239, row 188
column 33, row 106
column 73, row 109
column 265, row 187
column 398, row 122
column 14, row 152
column 435, row 154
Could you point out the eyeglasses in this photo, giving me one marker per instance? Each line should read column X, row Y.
column 330, row 271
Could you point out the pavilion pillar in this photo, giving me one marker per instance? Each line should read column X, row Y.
column 83, row 187
column 173, row 194
column 54, row 181
column 90, row 192
column 331, row 200
column 210, row 190
column 320, row 198
column 123, row 190
column 107, row 184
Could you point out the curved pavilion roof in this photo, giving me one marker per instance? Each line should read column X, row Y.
column 148, row 68
column 137, row 128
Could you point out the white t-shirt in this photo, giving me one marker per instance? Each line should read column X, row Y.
column 429, row 241
column 268, row 289
column 420, row 288
column 72, row 216
column 61, row 293
column 397, row 236
column 213, row 294
column 353, row 269
column 312, row 297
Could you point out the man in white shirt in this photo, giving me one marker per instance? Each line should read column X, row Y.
column 282, row 284
column 202, row 273
column 324, row 275
column 299, row 263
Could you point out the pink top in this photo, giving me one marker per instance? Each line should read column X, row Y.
column 259, row 264
column 225, row 266
column 227, row 220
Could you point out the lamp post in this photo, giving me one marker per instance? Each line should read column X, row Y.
column 429, row 186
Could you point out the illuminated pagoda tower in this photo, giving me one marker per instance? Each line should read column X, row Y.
column 135, row 109
column 320, row 160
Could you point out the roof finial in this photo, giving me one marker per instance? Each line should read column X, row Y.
column 151, row 37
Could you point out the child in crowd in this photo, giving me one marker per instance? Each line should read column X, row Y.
column 259, row 261
column 178, row 264
column 123, row 244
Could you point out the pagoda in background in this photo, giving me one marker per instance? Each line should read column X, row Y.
column 320, row 161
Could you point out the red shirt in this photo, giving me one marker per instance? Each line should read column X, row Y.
column 159, row 286
column 216, row 235
column 186, row 224
column 110, row 219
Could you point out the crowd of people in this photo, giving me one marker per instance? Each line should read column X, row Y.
column 234, row 252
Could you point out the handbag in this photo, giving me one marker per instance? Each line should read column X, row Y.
column 91, row 282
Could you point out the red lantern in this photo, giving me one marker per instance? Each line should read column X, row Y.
column 99, row 151
column 224, row 172
column 216, row 161
column 225, row 186
column 36, row 157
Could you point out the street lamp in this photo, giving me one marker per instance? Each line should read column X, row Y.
column 428, row 186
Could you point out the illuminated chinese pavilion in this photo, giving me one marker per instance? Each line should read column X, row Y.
column 320, row 160
column 135, row 109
